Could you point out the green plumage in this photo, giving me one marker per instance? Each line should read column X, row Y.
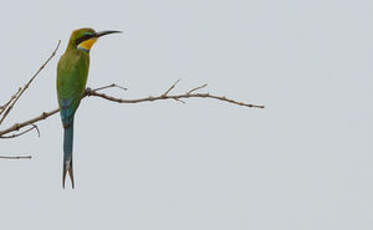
column 72, row 73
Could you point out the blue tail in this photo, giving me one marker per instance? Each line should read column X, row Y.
column 68, row 154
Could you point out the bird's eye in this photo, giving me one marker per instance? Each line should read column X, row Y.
column 88, row 33
column 86, row 36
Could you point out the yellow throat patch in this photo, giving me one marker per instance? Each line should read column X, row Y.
column 87, row 44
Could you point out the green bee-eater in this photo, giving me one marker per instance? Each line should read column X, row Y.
column 72, row 72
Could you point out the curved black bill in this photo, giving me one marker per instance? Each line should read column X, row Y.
column 102, row 33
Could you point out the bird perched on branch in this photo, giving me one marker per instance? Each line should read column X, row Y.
column 72, row 72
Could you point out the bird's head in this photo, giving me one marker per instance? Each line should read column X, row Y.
column 83, row 39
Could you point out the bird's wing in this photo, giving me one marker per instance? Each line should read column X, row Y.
column 71, row 81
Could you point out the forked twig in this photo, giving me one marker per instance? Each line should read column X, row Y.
column 29, row 83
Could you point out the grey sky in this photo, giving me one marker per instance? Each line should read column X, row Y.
column 305, row 162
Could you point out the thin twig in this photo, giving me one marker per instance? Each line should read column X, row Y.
column 179, row 100
column 171, row 88
column 110, row 86
column 24, row 132
column 16, row 157
column 197, row 88
column 29, row 82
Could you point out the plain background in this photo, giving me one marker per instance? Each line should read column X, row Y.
column 305, row 162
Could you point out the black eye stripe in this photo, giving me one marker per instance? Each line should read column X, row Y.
column 83, row 38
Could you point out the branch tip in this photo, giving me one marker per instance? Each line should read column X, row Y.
column 171, row 88
column 196, row 88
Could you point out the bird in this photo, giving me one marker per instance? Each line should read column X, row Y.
column 72, row 73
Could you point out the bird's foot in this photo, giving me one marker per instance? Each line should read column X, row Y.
column 88, row 91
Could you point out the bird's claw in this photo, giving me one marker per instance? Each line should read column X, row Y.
column 88, row 91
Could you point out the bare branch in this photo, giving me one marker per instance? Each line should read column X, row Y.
column 174, row 97
column 18, row 126
column 90, row 92
column 29, row 83
column 16, row 157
